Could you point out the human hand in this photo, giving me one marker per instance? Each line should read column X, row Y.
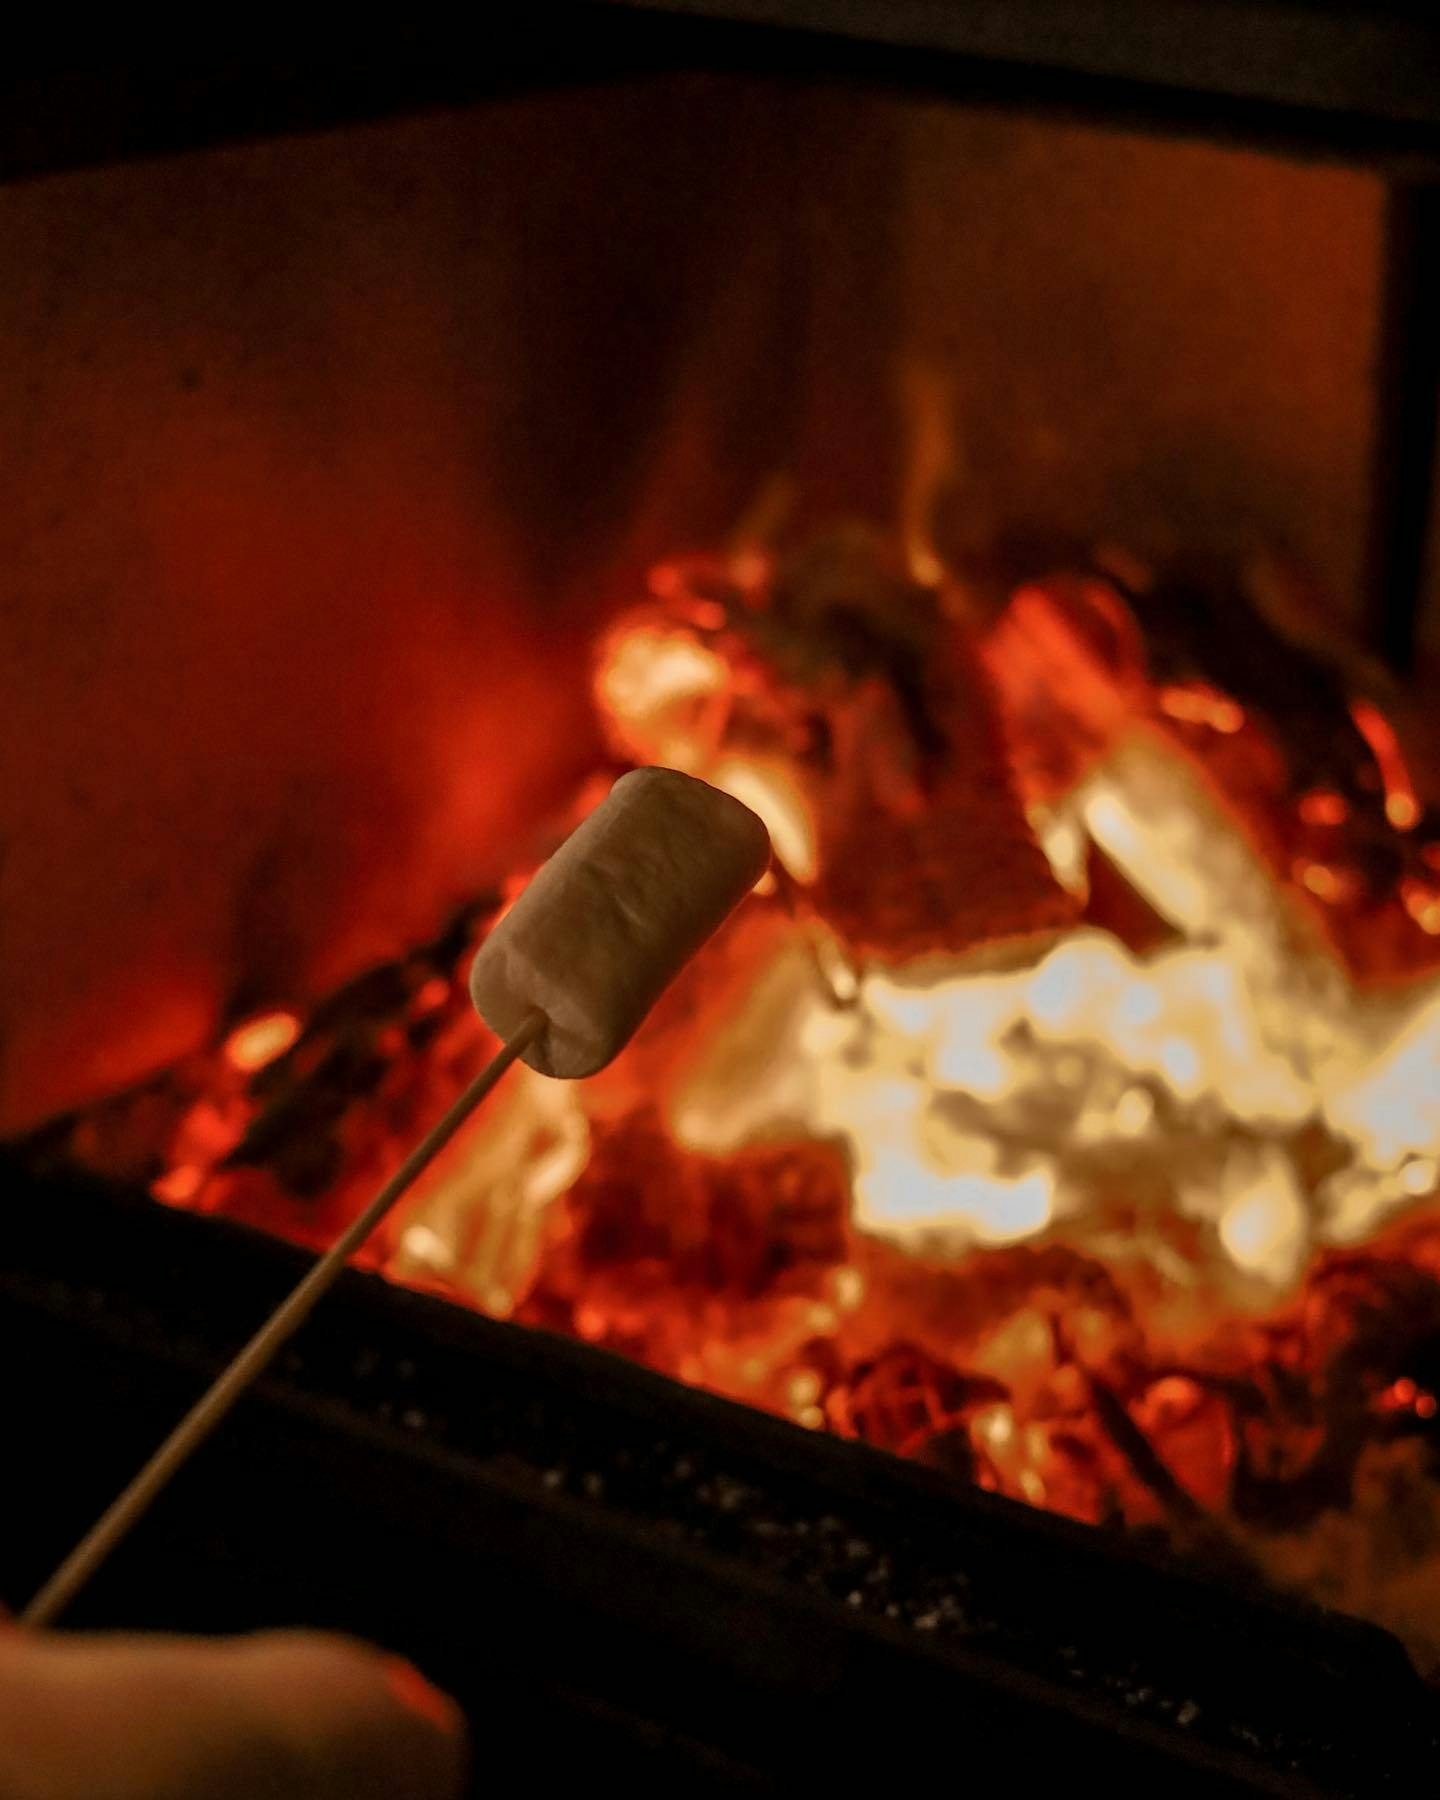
column 285, row 1716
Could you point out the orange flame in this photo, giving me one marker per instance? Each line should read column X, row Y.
column 260, row 1040
column 1402, row 804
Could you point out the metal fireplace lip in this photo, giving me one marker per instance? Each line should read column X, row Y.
column 698, row 1582
column 1333, row 78
column 1336, row 60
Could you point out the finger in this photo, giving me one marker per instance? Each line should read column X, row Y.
column 287, row 1716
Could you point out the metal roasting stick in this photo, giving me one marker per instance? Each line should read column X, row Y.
column 272, row 1336
column 638, row 886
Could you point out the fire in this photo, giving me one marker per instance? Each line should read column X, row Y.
column 664, row 685
column 1264, row 1228
column 259, row 1041
column 1083, row 1163
column 1402, row 807
column 1198, row 704
column 769, row 789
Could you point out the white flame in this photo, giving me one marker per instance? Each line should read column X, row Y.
column 768, row 788
column 655, row 685
column 982, row 1108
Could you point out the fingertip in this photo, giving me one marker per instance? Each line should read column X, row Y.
column 423, row 1698
column 370, row 1717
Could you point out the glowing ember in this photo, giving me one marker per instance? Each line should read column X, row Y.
column 769, row 789
column 1200, row 705
column 1402, row 807
column 1324, row 807
column 1040, row 1119
column 259, row 1041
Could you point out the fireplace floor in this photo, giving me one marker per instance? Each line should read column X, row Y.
column 621, row 1576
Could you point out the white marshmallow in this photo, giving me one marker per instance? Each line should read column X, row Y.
column 614, row 915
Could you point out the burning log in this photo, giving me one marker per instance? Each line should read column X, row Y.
column 857, row 674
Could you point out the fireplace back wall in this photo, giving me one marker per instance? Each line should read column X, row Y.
column 326, row 455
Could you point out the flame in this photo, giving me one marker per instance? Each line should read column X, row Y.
column 770, row 789
column 1402, row 804
column 928, row 404
column 1197, row 704
column 1264, row 1228
column 1323, row 806
column 260, row 1040
column 656, row 686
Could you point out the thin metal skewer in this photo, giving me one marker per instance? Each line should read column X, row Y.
column 272, row 1336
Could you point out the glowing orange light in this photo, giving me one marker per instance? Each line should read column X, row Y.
column 1402, row 807
column 259, row 1041
column 1422, row 903
column 1322, row 806
column 995, row 1427
column 1406, row 1395
column 750, row 567
column 1197, row 704
column 1175, row 1394
column 1320, row 881
column 848, row 1286
column 1262, row 1229
column 769, row 789
column 803, row 1389
column 590, row 1323
column 180, row 1184
column 667, row 581
column 1332, row 886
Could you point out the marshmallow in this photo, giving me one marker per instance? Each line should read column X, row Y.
column 613, row 916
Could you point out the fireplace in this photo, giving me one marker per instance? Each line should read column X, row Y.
column 1002, row 1283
